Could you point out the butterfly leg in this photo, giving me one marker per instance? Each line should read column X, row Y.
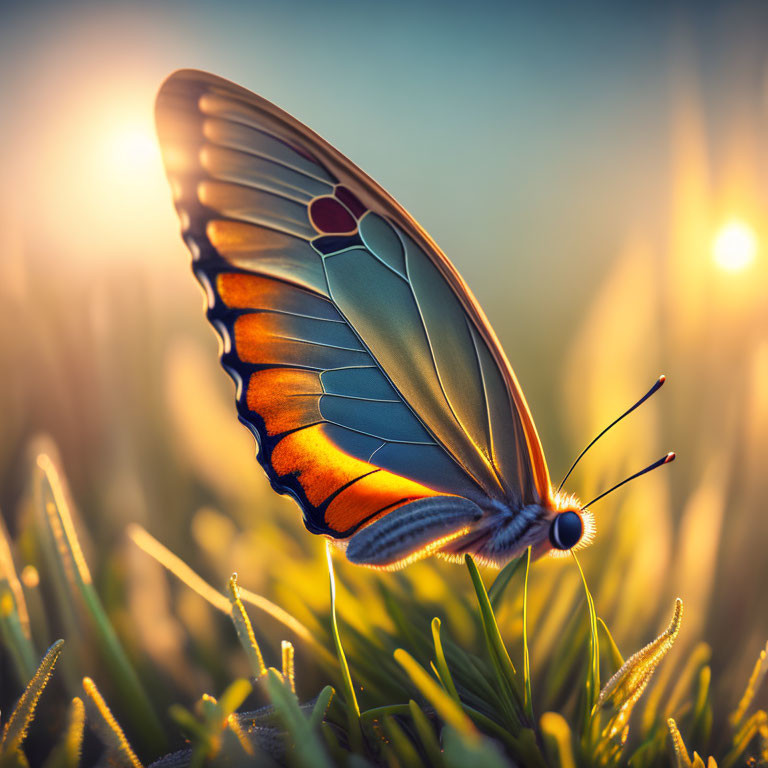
column 412, row 531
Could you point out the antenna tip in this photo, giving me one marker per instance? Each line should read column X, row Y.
column 662, row 379
column 669, row 457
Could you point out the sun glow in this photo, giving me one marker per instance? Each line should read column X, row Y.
column 132, row 149
column 734, row 247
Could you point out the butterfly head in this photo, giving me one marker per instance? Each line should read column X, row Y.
column 572, row 526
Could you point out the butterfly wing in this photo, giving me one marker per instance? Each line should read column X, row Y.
column 363, row 364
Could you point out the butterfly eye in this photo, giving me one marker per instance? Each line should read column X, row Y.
column 566, row 530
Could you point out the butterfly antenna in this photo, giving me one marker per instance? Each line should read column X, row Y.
column 663, row 460
column 655, row 388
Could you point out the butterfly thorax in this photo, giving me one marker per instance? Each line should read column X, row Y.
column 555, row 525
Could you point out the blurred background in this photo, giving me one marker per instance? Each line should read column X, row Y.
column 597, row 173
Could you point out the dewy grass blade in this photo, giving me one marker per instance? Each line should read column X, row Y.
column 526, row 657
column 70, row 562
column 625, row 688
column 353, row 708
column 679, row 751
column 753, row 685
column 233, row 725
column 111, row 734
column 16, row 727
column 67, row 753
column 244, row 630
column 288, row 664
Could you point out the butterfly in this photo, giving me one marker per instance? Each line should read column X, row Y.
column 379, row 395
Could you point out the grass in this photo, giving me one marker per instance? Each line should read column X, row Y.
column 396, row 689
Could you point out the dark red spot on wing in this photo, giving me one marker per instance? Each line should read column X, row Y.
column 330, row 216
column 350, row 200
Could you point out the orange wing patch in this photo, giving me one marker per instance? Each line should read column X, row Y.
column 377, row 492
column 240, row 291
column 356, row 489
column 285, row 398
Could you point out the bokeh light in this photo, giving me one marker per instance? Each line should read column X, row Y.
column 131, row 151
column 735, row 246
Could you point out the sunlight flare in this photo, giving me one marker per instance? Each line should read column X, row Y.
column 735, row 246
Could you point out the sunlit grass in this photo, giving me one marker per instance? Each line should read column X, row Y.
column 410, row 694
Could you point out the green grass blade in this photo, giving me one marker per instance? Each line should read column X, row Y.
column 592, row 682
column 402, row 746
column 16, row 727
column 15, row 640
column 505, row 670
column 445, row 706
column 14, row 616
column 103, row 722
column 442, row 665
column 702, row 708
column 307, row 749
column 459, row 752
column 379, row 713
column 606, row 641
column 195, row 731
column 67, row 753
column 321, row 707
column 69, row 562
column 491, row 728
column 489, row 619
column 426, row 735
column 234, row 695
column 502, row 580
column 558, row 740
column 528, row 702
column 353, row 708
